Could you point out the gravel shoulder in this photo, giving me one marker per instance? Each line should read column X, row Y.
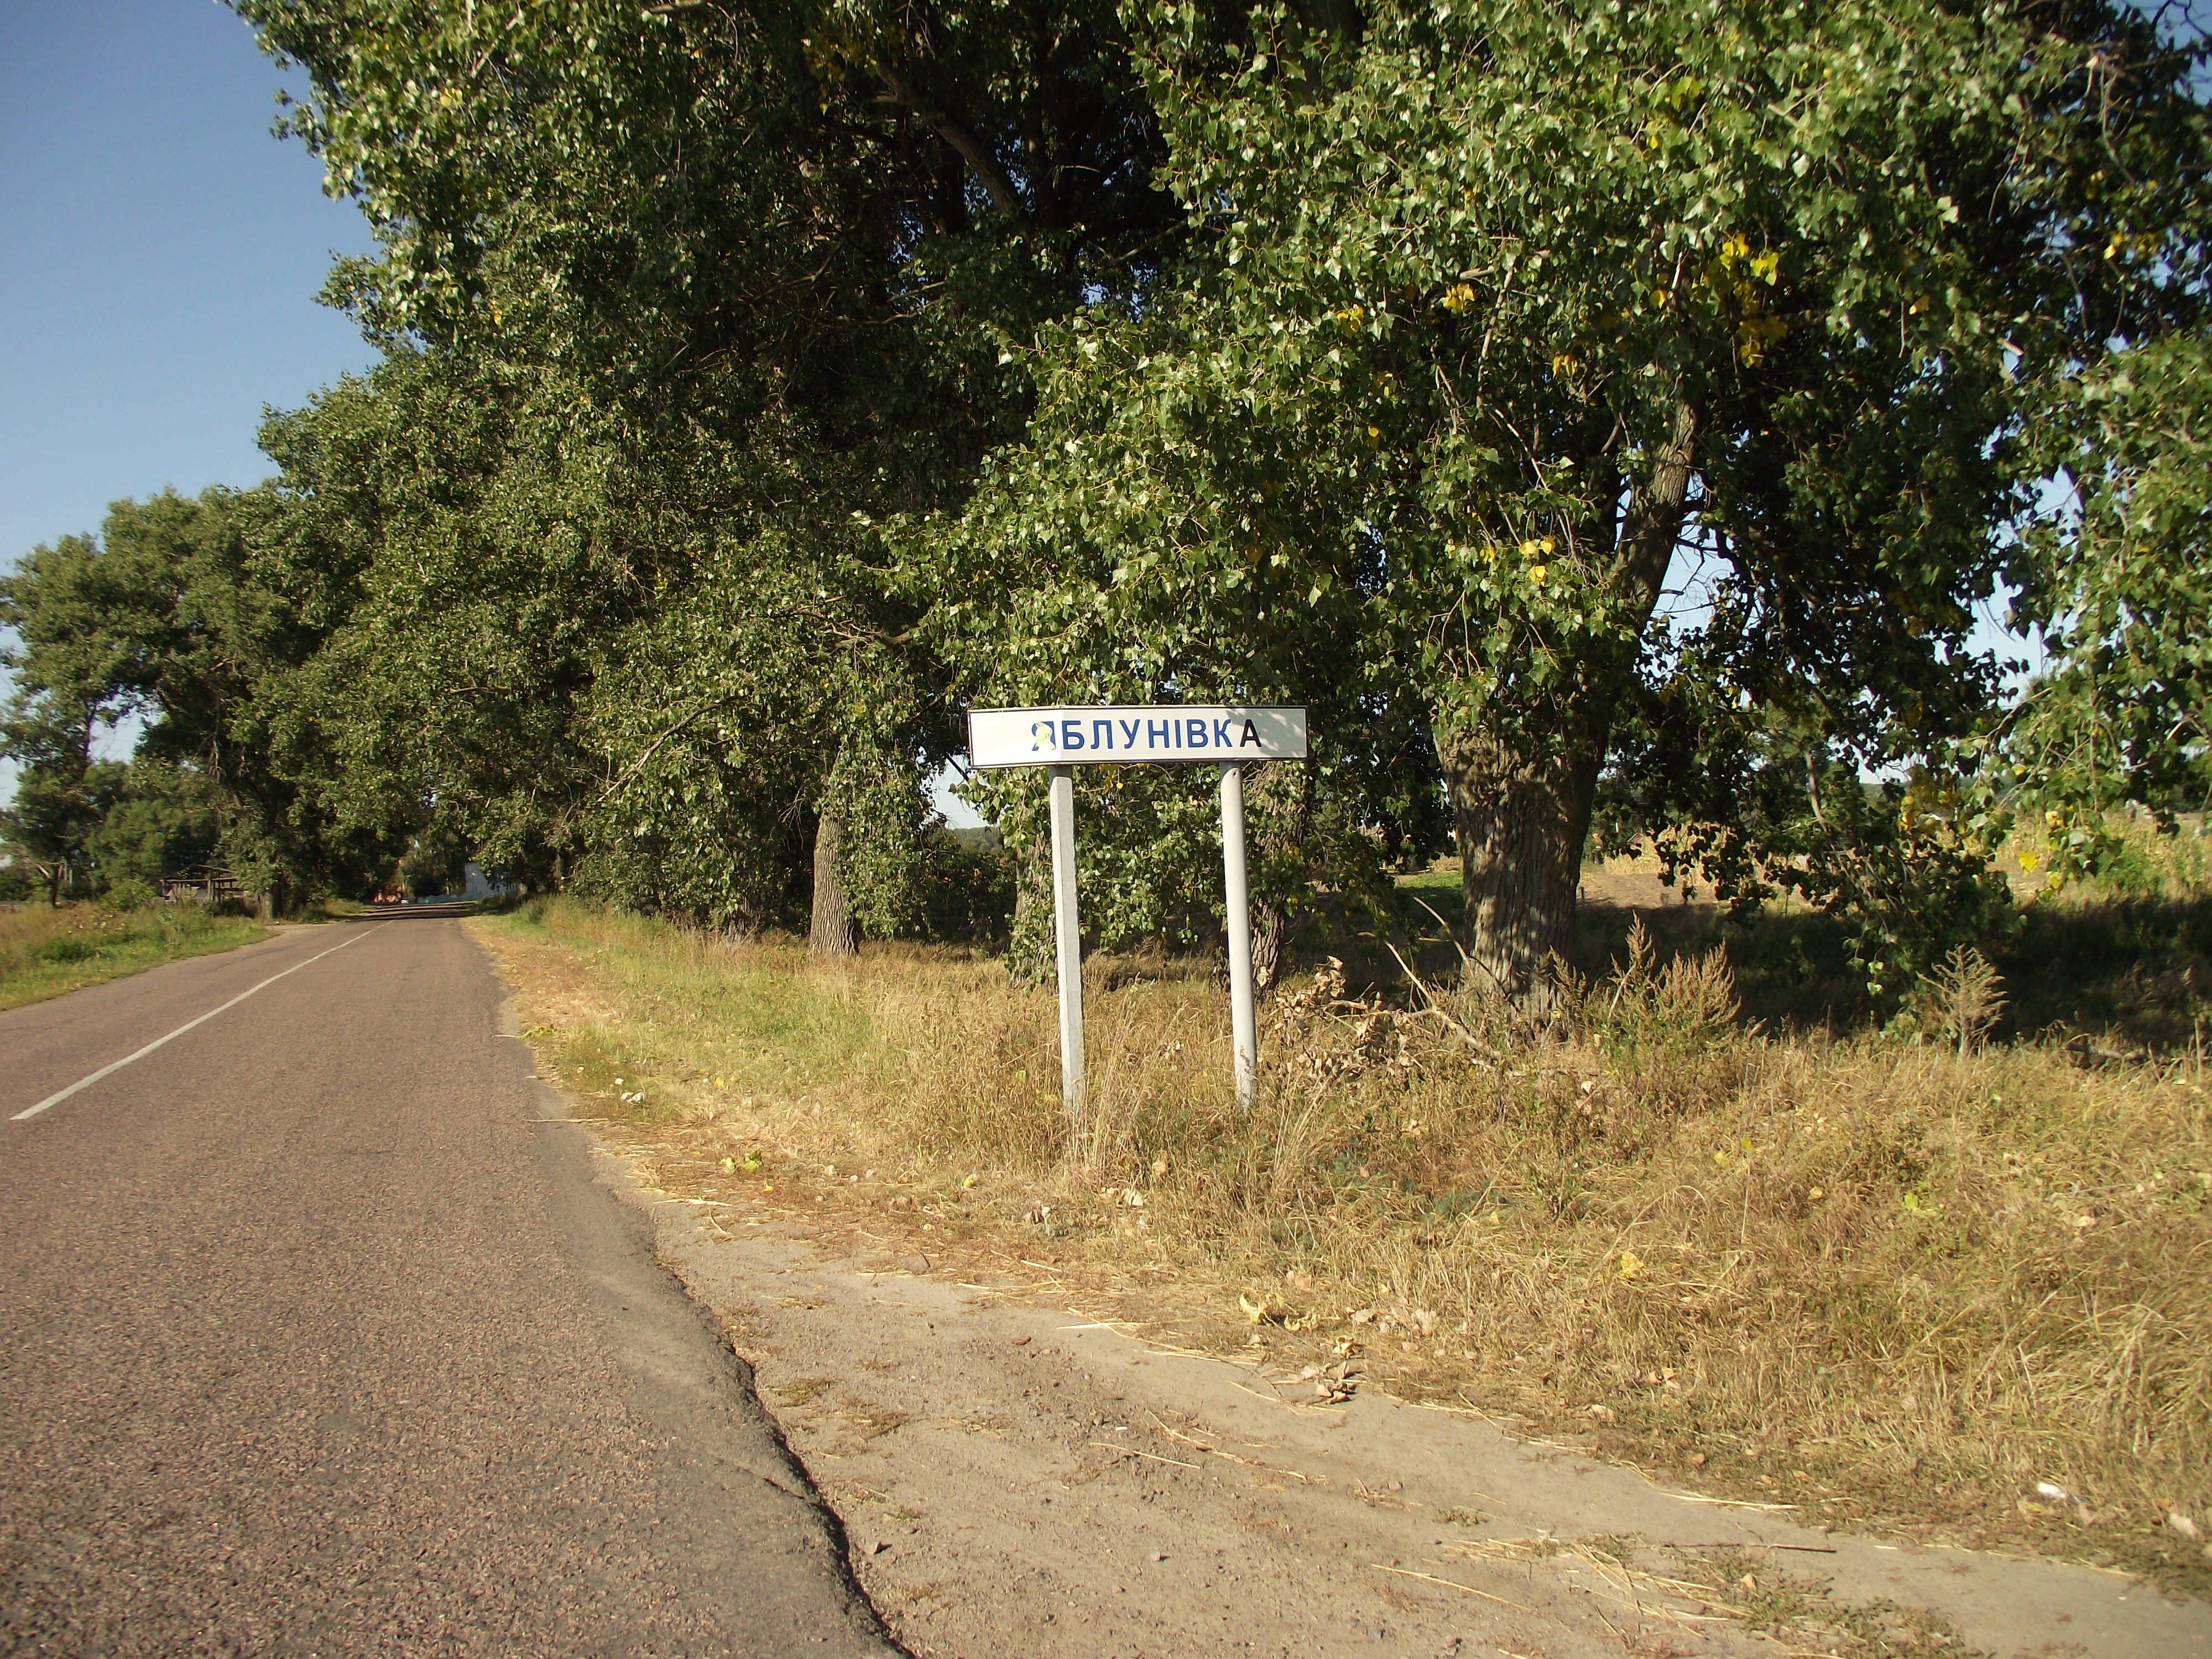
column 1016, row 1477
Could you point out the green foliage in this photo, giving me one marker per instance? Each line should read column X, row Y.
column 1501, row 328
column 688, row 363
column 457, row 539
column 1618, row 412
column 967, row 888
column 129, row 893
column 2119, row 577
column 162, row 619
column 165, row 817
column 434, row 863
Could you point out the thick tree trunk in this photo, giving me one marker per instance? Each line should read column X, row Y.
column 1521, row 822
column 1031, row 953
column 1279, row 806
column 1522, row 812
column 831, row 933
column 1271, row 932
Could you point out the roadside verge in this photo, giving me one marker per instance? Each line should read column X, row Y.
column 987, row 1461
column 47, row 952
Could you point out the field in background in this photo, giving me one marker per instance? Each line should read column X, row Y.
column 2121, row 967
column 1880, row 1281
column 45, row 953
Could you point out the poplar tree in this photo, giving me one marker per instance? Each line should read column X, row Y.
column 785, row 241
column 1638, row 388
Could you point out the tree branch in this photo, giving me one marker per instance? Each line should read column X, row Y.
column 632, row 770
column 1653, row 524
column 970, row 148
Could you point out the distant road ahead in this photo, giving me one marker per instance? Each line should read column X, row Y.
column 316, row 1338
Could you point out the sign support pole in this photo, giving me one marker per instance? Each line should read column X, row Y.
column 1228, row 735
column 1068, row 930
column 1243, row 1025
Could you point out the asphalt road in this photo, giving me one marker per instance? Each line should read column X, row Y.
column 317, row 1336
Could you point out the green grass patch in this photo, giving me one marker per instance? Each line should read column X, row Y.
column 46, row 952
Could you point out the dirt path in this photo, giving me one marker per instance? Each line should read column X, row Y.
column 1021, row 1480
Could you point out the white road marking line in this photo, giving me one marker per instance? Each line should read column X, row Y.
column 60, row 1095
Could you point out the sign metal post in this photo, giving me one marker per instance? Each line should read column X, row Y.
column 1243, row 1021
column 1062, row 738
column 1068, row 931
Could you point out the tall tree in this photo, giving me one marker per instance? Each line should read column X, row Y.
column 797, row 236
column 82, row 616
column 1507, row 328
column 2119, row 575
column 161, row 623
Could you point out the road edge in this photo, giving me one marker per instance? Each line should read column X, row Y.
column 640, row 1215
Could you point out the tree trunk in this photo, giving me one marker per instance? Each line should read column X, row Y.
column 1523, row 814
column 1271, row 932
column 1279, row 803
column 831, row 934
column 1521, row 822
column 54, row 885
column 1032, row 952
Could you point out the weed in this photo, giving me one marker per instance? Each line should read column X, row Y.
column 1879, row 1280
column 1962, row 999
column 46, row 951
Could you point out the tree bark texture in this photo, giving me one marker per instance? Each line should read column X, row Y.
column 1030, row 958
column 1521, row 810
column 831, row 932
column 1279, row 808
column 1520, row 822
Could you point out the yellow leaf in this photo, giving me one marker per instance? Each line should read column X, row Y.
column 1631, row 1266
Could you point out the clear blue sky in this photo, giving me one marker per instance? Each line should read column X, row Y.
column 160, row 253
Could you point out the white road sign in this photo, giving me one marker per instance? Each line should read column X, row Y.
column 1164, row 732
column 1062, row 738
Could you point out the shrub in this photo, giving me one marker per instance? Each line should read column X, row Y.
column 129, row 894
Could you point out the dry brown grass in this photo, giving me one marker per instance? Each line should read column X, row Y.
column 1897, row 1284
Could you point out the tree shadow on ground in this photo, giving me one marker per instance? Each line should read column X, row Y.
column 2124, row 973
